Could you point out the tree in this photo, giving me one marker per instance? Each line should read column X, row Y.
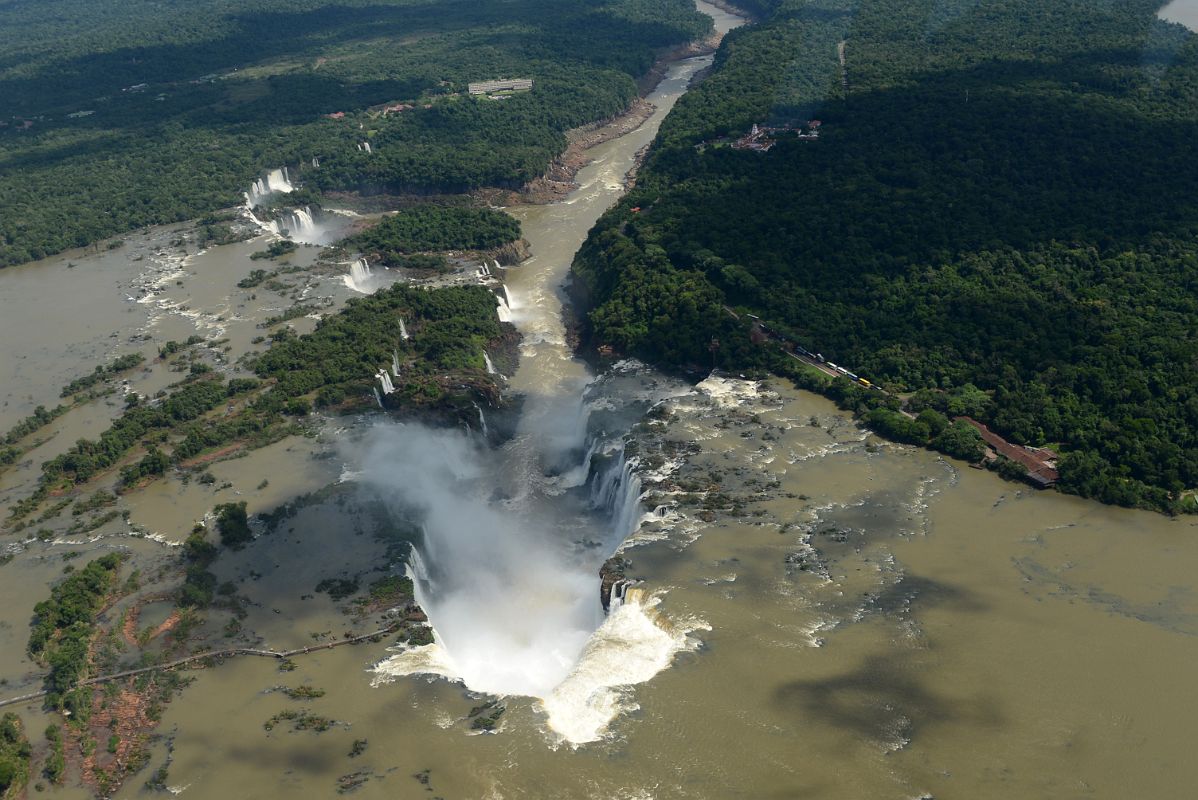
column 233, row 525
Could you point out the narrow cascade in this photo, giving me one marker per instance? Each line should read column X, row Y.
column 378, row 397
column 482, row 421
column 403, row 330
column 579, row 474
column 503, row 309
column 618, row 492
column 385, row 381
column 490, row 366
column 395, row 363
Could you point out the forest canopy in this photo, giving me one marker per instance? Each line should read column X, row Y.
column 124, row 114
column 428, row 227
column 999, row 195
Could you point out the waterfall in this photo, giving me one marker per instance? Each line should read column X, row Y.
column 618, row 591
column 617, row 491
column 395, row 363
column 403, row 330
column 490, row 366
column 315, row 162
column 482, row 421
column 385, row 381
column 360, row 278
column 378, row 397
column 299, row 225
column 277, row 180
column 503, row 310
column 579, row 474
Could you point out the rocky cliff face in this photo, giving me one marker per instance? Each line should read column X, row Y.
column 611, row 576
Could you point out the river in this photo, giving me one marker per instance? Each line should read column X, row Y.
column 1183, row 11
column 822, row 613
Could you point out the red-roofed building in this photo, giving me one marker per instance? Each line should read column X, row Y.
column 1041, row 464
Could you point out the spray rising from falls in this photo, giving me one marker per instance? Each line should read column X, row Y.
column 508, row 566
column 511, row 608
column 298, row 225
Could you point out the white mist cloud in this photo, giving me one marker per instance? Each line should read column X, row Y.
column 511, row 605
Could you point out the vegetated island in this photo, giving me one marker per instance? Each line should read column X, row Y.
column 982, row 213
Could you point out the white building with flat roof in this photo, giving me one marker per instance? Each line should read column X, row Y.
column 502, row 85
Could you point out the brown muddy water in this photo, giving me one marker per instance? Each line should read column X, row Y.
column 848, row 619
column 821, row 614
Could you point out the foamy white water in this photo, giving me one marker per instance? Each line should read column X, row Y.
column 633, row 644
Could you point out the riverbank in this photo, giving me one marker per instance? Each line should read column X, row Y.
column 559, row 179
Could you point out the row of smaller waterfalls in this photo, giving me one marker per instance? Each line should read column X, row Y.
column 277, row 181
column 297, row 224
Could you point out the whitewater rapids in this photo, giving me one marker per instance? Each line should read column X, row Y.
column 633, row 644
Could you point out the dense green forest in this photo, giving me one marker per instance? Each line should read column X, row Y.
column 427, row 227
column 123, row 114
column 1001, row 196
column 448, row 329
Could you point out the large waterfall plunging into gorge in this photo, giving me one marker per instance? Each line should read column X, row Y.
column 513, row 537
column 508, row 565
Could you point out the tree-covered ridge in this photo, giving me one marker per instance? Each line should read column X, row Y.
column 1001, row 194
column 233, row 88
column 426, row 228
